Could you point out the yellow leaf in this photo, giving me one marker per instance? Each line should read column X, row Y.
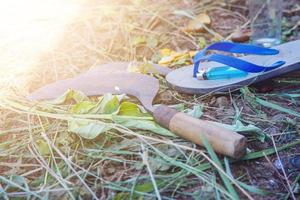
column 192, row 53
column 178, row 55
column 166, row 60
column 132, row 67
column 143, row 68
column 139, row 40
column 165, row 52
column 201, row 42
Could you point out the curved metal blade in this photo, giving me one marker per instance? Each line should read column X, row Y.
column 124, row 66
column 141, row 86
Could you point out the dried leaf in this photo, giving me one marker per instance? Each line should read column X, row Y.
column 165, row 52
column 139, row 40
column 192, row 53
column 166, row 60
column 197, row 24
column 152, row 42
column 143, row 68
column 185, row 13
column 174, row 58
column 241, row 36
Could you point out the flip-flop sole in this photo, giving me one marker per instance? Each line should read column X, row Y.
column 182, row 79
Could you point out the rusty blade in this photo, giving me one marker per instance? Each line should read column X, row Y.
column 124, row 66
column 141, row 86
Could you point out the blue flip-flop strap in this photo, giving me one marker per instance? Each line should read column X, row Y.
column 241, row 48
column 235, row 62
column 241, row 64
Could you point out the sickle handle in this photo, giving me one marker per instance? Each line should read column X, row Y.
column 222, row 140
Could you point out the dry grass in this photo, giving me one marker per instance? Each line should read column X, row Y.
column 131, row 164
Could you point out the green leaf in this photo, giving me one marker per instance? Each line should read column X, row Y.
column 240, row 127
column 129, row 109
column 158, row 164
column 202, row 42
column 121, row 196
column 108, row 104
column 196, row 112
column 83, row 107
column 139, row 188
column 142, row 125
column 43, row 147
column 148, row 186
column 69, row 95
column 88, row 129
column 20, row 180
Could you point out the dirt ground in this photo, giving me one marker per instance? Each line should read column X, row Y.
column 110, row 166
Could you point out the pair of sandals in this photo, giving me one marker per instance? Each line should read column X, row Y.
column 264, row 63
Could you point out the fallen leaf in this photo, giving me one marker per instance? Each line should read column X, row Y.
column 142, row 125
column 198, row 23
column 88, row 129
column 108, row 104
column 196, row 112
column 129, row 109
column 241, row 128
column 185, row 13
column 69, row 95
column 142, row 68
column 241, row 36
column 174, row 58
column 201, row 42
column 83, row 107
column 192, row 53
column 152, row 42
column 43, row 147
column 139, row 40
column 166, row 60
column 165, row 52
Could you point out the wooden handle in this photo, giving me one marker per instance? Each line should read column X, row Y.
column 222, row 140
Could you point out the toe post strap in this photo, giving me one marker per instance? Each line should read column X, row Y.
column 233, row 61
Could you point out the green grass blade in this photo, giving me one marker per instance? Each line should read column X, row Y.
column 277, row 107
column 259, row 154
column 215, row 158
column 250, row 188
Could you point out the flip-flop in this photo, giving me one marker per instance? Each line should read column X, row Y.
column 264, row 64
